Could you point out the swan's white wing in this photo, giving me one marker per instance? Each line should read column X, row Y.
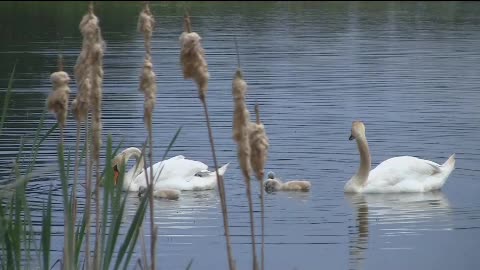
column 177, row 167
column 395, row 170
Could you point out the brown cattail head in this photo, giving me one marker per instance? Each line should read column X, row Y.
column 80, row 103
column 149, row 87
column 89, row 76
column 241, row 118
column 192, row 58
column 57, row 101
column 259, row 148
column 146, row 23
column 148, row 84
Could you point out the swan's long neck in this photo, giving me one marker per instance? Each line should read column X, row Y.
column 137, row 168
column 365, row 160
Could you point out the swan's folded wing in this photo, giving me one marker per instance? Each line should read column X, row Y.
column 177, row 168
column 395, row 170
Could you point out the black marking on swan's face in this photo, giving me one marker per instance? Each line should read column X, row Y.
column 141, row 191
column 271, row 175
column 271, row 186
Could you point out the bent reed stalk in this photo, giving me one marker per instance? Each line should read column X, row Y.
column 194, row 66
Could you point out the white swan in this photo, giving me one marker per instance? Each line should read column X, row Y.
column 175, row 173
column 398, row 174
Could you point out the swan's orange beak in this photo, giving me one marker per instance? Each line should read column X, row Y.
column 116, row 173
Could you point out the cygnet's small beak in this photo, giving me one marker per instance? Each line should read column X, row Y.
column 351, row 138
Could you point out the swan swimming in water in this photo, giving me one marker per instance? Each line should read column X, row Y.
column 275, row 184
column 397, row 174
column 176, row 173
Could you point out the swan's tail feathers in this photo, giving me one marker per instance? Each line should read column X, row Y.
column 223, row 169
column 449, row 165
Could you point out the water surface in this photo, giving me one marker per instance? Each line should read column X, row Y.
column 410, row 71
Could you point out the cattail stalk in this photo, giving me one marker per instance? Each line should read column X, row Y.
column 89, row 74
column 57, row 103
column 194, row 66
column 259, row 147
column 146, row 23
column 241, row 136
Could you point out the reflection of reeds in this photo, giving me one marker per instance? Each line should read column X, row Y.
column 194, row 66
column 148, row 86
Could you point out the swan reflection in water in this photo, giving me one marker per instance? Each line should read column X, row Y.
column 409, row 213
column 189, row 206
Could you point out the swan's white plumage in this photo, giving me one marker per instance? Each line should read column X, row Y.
column 173, row 173
column 398, row 174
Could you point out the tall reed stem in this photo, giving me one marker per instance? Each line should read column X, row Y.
column 98, row 242
column 252, row 224
column 152, row 220
column 262, row 202
column 66, row 240
column 75, row 176
column 88, row 204
column 221, row 188
column 146, row 22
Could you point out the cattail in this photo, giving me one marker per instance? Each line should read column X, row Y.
column 259, row 147
column 148, row 86
column 241, row 122
column 195, row 66
column 96, row 60
column 192, row 59
column 89, row 77
column 57, row 101
column 146, row 23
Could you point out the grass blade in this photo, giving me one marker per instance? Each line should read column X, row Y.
column 46, row 231
column 7, row 98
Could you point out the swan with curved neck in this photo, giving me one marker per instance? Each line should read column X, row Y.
column 176, row 173
column 397, row 174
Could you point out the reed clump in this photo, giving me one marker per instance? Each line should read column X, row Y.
column 195, row 67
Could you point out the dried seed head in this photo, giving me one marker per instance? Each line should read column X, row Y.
column 148, row 84
column 57, row 101
column 89, row 75
column 259, row 148
column 149, row 87
column 192, row 58
column 146, row 23
column 80, row 103
column 241, row 118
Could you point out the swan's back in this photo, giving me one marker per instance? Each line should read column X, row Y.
column 408, row 174
column 177, row 167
